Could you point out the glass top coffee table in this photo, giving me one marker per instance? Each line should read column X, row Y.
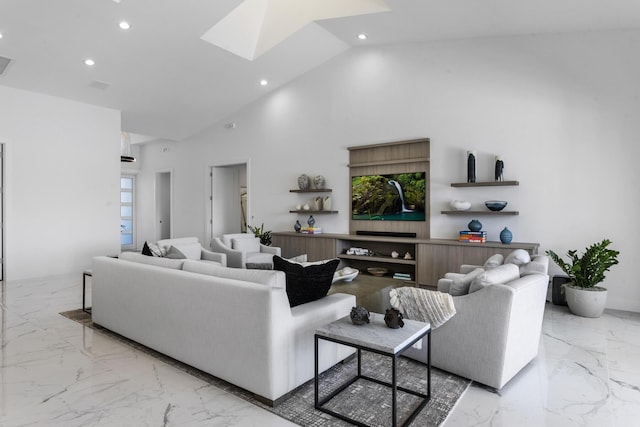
column 374, row 337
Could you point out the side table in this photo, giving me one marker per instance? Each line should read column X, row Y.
column 375, row 337
column 85, row 274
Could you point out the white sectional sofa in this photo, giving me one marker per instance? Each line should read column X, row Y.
column 235, row 324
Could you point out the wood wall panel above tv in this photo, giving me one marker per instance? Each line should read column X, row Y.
column 385, row 159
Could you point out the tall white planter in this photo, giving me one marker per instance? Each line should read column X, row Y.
column 586, row 302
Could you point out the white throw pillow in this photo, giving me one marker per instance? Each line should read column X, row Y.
column 175, row 253
column 246, row 245
column 518, row 257
column 493, row 261
column 501, row 274
column 460, row 285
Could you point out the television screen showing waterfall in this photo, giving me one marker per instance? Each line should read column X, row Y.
column 396, row 197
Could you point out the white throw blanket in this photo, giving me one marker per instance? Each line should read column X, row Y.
column 424, row 305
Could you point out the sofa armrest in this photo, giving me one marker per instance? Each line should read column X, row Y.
column 444, row 285
column 467, row 268
column 235, row 258
column 270, row 249
column 214, row 256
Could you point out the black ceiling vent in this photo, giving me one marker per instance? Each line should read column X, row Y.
column 4, row 63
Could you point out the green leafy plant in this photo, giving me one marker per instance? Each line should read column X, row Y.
column 260, row 232
column 588, row 270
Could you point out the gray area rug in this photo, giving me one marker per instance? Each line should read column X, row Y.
column 365, row 401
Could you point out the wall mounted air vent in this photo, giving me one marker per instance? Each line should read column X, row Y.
column 4, row 63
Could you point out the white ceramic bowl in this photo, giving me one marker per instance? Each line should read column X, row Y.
column 460, row 205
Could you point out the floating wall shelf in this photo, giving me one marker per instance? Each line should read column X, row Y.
column 484, row 184
column 480, row 212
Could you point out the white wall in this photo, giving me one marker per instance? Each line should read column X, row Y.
column 557, row 108
column 62, row 183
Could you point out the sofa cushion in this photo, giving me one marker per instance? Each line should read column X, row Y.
column 306, row 284
column 145, row 250
column 190, row 250
column 152, row 260
column 538, row 265
column 493, row 261
column 175, row 253
column 275, row 279
column 259, row 265
column 501, row 274
column 246, row 244
column 518, row 257
column 460, row 284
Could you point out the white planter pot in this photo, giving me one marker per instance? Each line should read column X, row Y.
column 586, row 302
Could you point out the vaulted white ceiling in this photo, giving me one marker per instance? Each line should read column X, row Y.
column 170, row 83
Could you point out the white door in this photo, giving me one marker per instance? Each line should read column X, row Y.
column 163, row 205
column 226, row 199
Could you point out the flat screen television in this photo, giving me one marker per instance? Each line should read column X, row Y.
column 393, row 197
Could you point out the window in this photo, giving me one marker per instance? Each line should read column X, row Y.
column 127, row 197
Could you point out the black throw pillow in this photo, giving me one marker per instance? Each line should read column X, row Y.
column 146, row 251
column 306, row 283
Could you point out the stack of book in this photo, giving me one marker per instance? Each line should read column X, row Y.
column 402, row 276
column 311, row 230
column 473, row 236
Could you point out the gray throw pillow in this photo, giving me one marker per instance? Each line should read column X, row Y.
column 460, row 285
column 174, row 253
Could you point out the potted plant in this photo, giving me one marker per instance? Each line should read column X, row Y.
column 584, row 297
column 264, row 235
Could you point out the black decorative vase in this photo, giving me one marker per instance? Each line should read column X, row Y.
column 393, row 318
column 311, row 221
column 297, row 226
column 471, row 166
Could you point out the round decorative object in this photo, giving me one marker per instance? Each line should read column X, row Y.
column 311, row 221
column 395, row 254
column 304, row 182
column 408, row 256
column 359, row 315
column 475, row 225
column 506, row 236
column 297, row 226
column 459, row 205
column 495, row 205
column 318, row 182
column 393, row 318
column 377, row 271
column 306, row 207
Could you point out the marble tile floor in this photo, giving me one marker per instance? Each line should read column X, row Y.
column 55, row 372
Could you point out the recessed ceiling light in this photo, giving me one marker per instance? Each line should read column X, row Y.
column 124, row 25
column 362, row 36
column 90, row 62
column 263, row 82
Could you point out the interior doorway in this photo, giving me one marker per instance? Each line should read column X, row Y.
column 2, row 272
column 163, row 205
column 229, row 201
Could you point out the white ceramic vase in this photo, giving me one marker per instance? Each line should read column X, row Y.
column 326, row 203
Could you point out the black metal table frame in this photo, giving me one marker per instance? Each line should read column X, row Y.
column 393, row 384
column 84, row 285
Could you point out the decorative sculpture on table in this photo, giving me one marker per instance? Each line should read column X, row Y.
column 297, row 226
column 359, row 315
column 506, row 236
column 393, row 318
column 499, row 169
column 475, row 225
column 318, row 182
column 311, row 221
column 471, row 166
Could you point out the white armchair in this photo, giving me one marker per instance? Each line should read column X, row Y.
column 496, row 329
column 192, row 249
column 243, row 248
